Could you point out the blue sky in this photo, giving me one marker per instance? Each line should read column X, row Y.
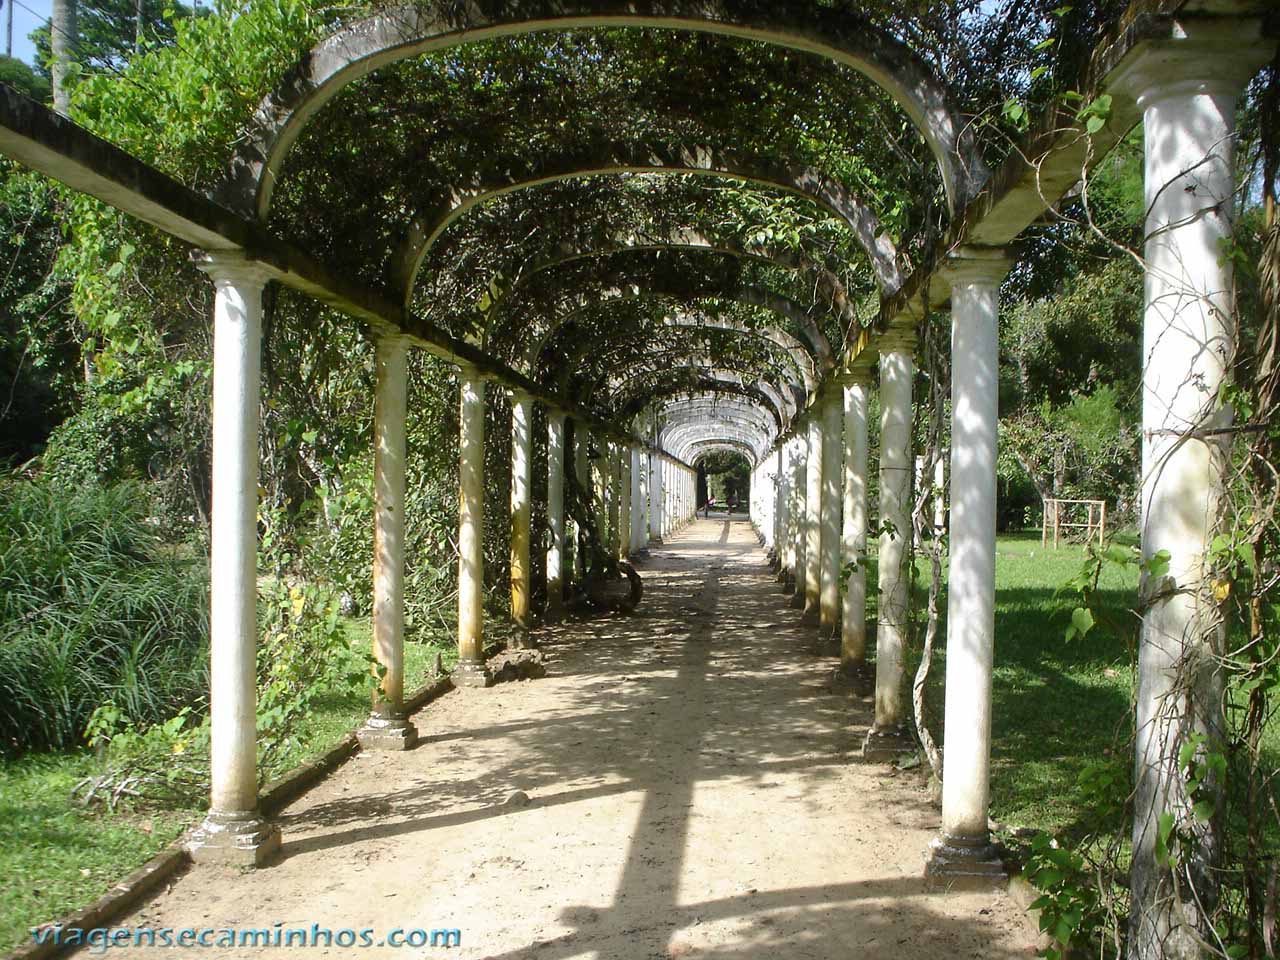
column 24, row 21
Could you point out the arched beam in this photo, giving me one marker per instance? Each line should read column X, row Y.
column 804, row 361
column 835, row 294
column 632, row 405
column 680, row 441
column 682, row 288
column 447, row 204
column 783, row 407
column 793, row 397
column 400, row 33
column 702, row 448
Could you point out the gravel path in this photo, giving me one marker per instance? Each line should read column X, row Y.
column 691, row 789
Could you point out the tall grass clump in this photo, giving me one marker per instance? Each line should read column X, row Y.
column 95, row 608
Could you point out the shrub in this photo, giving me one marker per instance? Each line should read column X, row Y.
column 95, row 609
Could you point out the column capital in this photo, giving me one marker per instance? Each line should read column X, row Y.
column 469, row 371
column 1213, row 56
column 897, row 340
column 521, row 395
column 862, row 372
column 231, row 266
column 391, row 343
column 977, row 265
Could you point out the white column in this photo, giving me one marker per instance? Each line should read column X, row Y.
column 799, row 473
column 387, row 727
column 940, row 495
column 813, row 517
column 853, row 633
column 1187, row 89
column 964, row 847
column 625, row 501
column 470, row 670
column 233, row 832
column 779, row 497
column 521, row 510
column 555, row 515
column 637, row 498
column 611, row 467
column 889, row 735
column 582, row 470
column 831, row 504
column 657, row 490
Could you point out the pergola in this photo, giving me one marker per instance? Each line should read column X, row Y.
column 610, row 329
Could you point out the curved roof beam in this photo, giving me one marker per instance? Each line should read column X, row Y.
column 721, row 414
column 689, row 434
column 400, row 33
column 801, row 357
column 700, row 448
column 835, row 294
column 784, row 406
column 618, row 286
column 448, row 203
column 708, row 381
column 743, row 416
column 799, row 380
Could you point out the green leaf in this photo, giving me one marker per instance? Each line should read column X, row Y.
column 1081, row 623
column 1203, row 810
column 1094, row 124
column 1158, row 565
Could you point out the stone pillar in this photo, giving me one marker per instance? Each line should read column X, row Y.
column 940, row 495
column 779, row 495
column 582, row 470
column 963, row 851
column 1187, row 89
column 521, row 511
column 831, row 504
column 555, row 515
column 470, row 670
column 656, row 492
column 853, row 632
column 637, row 499
column 233, row 832
column 813, row 518
column 889, row 735
column 625, row 502
column 796, row 513
column 387, row 727
column 611, row 469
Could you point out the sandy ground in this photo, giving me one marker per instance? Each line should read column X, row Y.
column 693, row 791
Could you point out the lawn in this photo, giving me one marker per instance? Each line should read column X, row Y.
column 56, row 856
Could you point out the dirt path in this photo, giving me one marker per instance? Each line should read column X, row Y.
column 693, row 792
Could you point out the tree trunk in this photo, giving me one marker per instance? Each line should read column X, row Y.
column 63, row 35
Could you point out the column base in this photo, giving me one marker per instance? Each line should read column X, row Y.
column 237, row 839
column 522, row 639
column 964, row 863
column 828, row 645
column 854, row 675
column 390, row 734
column 887, row 744
column 471, row 673
column 811, row 615
column 797, row 597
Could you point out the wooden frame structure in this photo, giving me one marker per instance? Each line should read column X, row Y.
column 1095, row 522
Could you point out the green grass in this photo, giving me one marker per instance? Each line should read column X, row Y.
column 56, row 856
column 1057, row 705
